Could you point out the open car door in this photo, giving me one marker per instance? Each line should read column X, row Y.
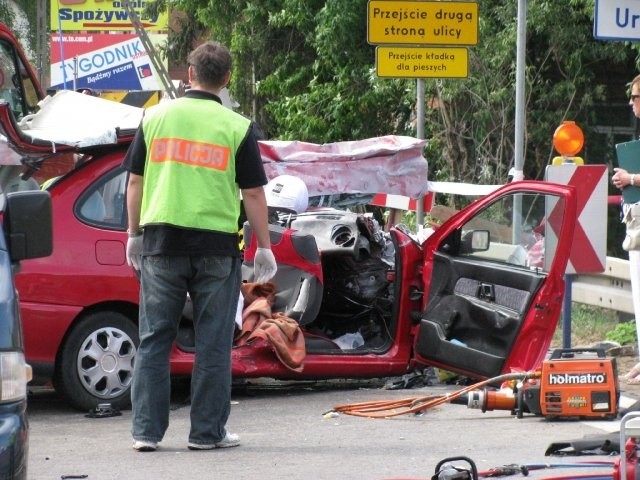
column 493, row 277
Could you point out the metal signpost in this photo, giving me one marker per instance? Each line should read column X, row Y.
column 163, row 74
column 588, row 253
column 408, row 32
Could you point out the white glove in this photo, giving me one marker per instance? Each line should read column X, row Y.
column 264, row 265
column 134, row 252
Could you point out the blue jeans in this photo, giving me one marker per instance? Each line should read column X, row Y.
column 213, row 282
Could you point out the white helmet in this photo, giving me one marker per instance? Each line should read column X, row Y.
column 286, row 192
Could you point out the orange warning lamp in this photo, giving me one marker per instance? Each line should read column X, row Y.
column 568, row 140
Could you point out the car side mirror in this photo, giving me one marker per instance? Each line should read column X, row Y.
column 475, row 241
column 28, row 224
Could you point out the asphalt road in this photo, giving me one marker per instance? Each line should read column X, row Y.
column 285, row 435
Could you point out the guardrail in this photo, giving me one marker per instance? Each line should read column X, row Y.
column 610, row 289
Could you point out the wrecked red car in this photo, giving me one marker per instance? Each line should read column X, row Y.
column 369, row 300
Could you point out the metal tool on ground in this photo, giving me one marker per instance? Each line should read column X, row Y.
column 392, row 408
column 446, row 470
column 451, row 469
column 572, row 383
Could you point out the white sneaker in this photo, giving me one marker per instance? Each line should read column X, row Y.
column 144, row 445
column 229, row 440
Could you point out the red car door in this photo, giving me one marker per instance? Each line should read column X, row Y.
column 494, row 281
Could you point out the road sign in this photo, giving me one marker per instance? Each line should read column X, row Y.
column 394, row 22
column 616, row 20
column 91, row 15
column 589, row 248
column 422, row 62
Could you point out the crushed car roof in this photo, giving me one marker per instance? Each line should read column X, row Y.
column 71, row 118
column 390, row 164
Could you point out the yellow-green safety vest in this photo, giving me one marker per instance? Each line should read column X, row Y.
column 190, row 171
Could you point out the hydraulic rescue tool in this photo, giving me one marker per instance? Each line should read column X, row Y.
column 573, row 383
column 625, row 467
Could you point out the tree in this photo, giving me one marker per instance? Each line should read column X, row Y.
column 475, row 122
column 304, row 71
column 309, row 74
column 13, row 14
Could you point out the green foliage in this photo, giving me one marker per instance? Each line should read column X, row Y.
column 624, row 333
column 564, row 81
column 29, row 8
column 9, row 17
column 6, row 14
column 304, row 70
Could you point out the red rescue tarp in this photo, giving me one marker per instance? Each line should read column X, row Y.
column 390, row 164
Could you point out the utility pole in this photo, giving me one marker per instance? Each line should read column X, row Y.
column 42, row 41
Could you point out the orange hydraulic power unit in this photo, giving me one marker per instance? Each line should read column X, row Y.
column 572, row 383
column 575, row 383
column 579, row 383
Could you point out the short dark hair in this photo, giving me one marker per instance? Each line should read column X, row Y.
column 211, row 62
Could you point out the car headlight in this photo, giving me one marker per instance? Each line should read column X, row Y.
column 14, row 375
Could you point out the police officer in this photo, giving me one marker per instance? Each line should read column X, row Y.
column 187, row 164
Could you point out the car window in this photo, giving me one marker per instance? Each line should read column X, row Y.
column 12, row 180
column 16, row 87
column 515, row 227
column 103, row 203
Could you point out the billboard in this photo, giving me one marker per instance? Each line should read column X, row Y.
column 102, row 62
column 90, row 15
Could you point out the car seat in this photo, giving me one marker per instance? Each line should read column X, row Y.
column 299, row 277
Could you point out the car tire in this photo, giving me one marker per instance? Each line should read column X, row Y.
column 96, row 361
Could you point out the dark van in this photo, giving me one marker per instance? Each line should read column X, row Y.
column 25, row 232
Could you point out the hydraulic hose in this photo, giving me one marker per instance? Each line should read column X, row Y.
column 392, row 408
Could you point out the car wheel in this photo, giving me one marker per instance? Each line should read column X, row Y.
column 96, row 361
